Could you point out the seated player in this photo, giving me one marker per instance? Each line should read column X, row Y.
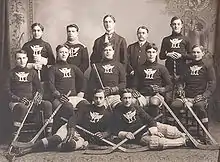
column 196, row 86
column 151, row 78
column 128, row 118
column 21, row 86
column 112, row 75
column 62, row 78
column 95, row 118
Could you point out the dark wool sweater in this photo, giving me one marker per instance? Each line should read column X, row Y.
column 151, row 74
column 177, row 43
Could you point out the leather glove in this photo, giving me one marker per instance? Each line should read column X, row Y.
column 63, row 98
column 102, row 135
column 199, row 98
column 111, row 90
column 180, row 92
column 24, row 100
column 135, row 93
column 38, row 99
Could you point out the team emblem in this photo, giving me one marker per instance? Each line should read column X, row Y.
column 108, row 68
column 73, row 52
column 23, row 77
column 36, row 49
column 130, row 116
column 95, row 117
column 195, row 69
column 66, row 72
column 175, row 42
column 149, row 73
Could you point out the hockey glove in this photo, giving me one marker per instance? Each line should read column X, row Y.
column 199, row 98
column 102, row 135
column 38, row 99
column 157, row 89
column 24, row 101
column 135, row 93
column 63, row 98
column 180, row 92
column 111, row 90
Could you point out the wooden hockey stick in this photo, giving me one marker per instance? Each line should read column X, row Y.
column 196, row 143
column 108, row 151
column 200, row 123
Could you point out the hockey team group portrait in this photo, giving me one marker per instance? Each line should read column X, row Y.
column 77, row 84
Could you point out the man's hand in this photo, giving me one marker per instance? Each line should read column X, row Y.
column 132, row 72
column 110, row 90
column 24, row 100
column 130, row 136
column 135, row 93
column 101, row 135
column 80, row 94
column 38, row 99
column 199, row 98
column 37, row 66
column 63, row 98
column 174, row 55
column 159, row 134
column 157, row 89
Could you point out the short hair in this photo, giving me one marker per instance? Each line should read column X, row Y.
column 107, row 44
column 60, row 46
column 125, row 90
column 37, row 24
column 112, row 17
column 200, row 46
column 98, row 90
column 143, row 27
column 72, row 26
column 151, row 45
column 20, row 51
column 175, row 18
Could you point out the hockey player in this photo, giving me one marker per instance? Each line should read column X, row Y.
column 128, row 118
column 136, row 53
column 196, row 85
column 78, row 53
column 95, row 118
column 39, row 52
column 62, row 78
column 151, row 78
column 21, row 86
column 118, row 42
column 112, row 75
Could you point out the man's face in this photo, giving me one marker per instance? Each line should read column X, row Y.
column 197, row 53
column 21, row 60
column 99, row 99
column 126, row 99
column 109, row 52
column 177, row 26
column 37, row 32
column 151, row 54
column 63, row 54
column 109, row 24
column 72, row 33
column 142, row 35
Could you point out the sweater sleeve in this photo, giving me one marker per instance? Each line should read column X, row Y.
column 51, row 58
column 163, row 50
column 51, row 81
column 146, row 118
column 211, row 78
column 84, row 60
column 93, row 57
column 37, row 83
column 80, row 76
column 122, row 78
column 166, row 78
column 188, row 49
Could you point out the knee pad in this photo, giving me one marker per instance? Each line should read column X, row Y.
column 172, row 132
column 142, row 101
column 154, row 142
column 155, row 101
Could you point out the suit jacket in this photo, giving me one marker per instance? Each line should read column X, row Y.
column 120, row 47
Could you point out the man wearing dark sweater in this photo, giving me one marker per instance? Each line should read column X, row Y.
column 136, row 53
column 118, row 42
column 151, row 78
column 78, row 53
column 128, row 118
column 196, row 85
column 39, row 52
column 112, row 75
column 21, row 86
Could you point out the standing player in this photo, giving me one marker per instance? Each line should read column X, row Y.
column 136, row 53
column 39, row 52
column 151, row 78
column 128, row 118
column 196, row 85
column 78, row 53
column 118, row 42
column 21, row 85
column 112, row 75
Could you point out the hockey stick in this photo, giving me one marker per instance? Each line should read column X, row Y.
column 102, row 86
column 108, row 151
column 200, row 123
column 196, row 143
column 33, row 140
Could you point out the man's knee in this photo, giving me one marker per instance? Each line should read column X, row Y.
column 155, row 101
column 154, row 142
column 177, row 104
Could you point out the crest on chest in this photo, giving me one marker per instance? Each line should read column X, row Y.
column 108, row 68
column 194, row 70
column 73, row 52
column 95, row 117
column 149, row 73
column 36, row 49
column 66, row 72
column 130, row 116
column 175, row 42
column 22, row 76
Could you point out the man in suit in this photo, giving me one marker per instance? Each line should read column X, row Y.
column 115, row 39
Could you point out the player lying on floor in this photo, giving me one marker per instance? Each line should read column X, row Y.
column 129, row 117
column 196, row 86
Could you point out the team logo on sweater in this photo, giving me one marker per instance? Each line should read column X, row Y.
column 149, row 73
column 36, row 49
column 95, row 117
column 66, row 72
column 195, row 69
column 22, row 76
column 175, row 42
column 130, row 116
column 73, row 52
column 108, row 68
